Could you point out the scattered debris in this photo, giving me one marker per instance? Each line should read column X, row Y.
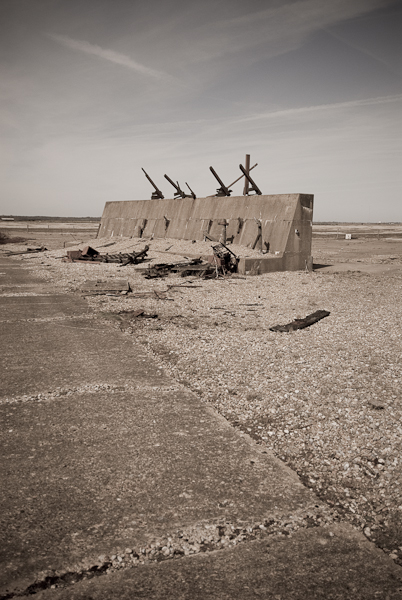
column 134, row 314
column 120, row 286
column 202, row 271
column 27, row 251
column 225, row 258
column 164, row 269
column 182, row 285
column 89, row 251
column 301, row 323
column 92, row 255
column 377, row 404
column 108, row 244
column 73, row 255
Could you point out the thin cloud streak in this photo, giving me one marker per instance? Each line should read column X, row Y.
column 281, row 29
column 360, row 49
column 106, row 54
column 165, row 128
column 321, row 107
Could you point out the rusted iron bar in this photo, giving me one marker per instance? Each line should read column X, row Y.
column 157, row 193
column 179, row 192
column 192, row 193
column 246, row 181
column 27, row 251
column 254, row 186
column 223, row 190
column 241, row 176
column 124, row 259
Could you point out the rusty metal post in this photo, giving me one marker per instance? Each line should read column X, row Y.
column 246, row 181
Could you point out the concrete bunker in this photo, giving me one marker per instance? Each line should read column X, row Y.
column 279, row 225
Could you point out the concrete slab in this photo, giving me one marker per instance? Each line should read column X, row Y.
column 88, row 474
column 312, row 565
column 12, row 274
column 44, row 355
column 40, row 306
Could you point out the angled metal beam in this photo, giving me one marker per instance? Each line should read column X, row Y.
column 223, row 190
column 157, row 193
column 254, row 186
column 179, row 192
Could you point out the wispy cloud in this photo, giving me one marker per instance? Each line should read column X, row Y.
column 322, row 107
column 276, row 30
column 106, row 54
column 360, row 49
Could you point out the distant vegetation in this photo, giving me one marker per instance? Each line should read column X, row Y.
column 6, row 239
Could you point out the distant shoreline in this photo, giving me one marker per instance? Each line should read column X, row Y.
column 19, row 218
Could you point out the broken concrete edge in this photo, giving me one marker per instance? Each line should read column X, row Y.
column 315, row 563
column 202, row 537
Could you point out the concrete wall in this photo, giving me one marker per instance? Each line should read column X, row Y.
column 189, row 219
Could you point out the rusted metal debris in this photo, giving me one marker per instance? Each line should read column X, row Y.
column 222, row 190
column 254, row 187
column 135, row 314
column 179, row 193
column 302, row 323
column 89, row 254
column 241, row 177
column 114, row 286
column 157, row 194
column 27, row 251
column 222, row 262
column 225, row 258
column 164, row 269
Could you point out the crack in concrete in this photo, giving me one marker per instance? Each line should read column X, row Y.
column 82, row 316
column 193, row 540
column 89, row 388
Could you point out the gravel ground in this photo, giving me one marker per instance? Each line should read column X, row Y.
column 327, row 399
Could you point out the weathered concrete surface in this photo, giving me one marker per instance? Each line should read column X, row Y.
column 113, row 454
column 11, row 275
column 39, row 306
column 309, row 566
column 81, row 464
column 43, row 354
column 89, row 474
column 286, row 221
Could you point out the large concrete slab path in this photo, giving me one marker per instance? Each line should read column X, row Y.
column 107, row 465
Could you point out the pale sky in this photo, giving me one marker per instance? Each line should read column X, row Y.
column 93, row 90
